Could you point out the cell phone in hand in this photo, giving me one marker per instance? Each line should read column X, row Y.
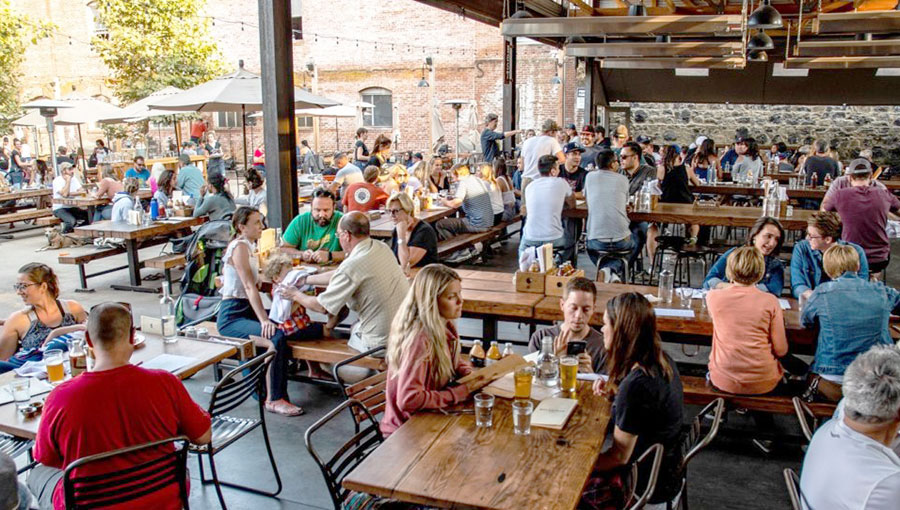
column 575, row 347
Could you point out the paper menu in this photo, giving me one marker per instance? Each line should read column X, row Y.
column 785, row 304
column 553, row 413
column 674, row 312
column 168, row 362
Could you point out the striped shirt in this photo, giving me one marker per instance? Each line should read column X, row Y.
column 476, row 202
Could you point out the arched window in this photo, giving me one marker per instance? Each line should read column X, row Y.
column 382, row 115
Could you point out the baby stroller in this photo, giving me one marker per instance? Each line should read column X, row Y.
column 199, row 300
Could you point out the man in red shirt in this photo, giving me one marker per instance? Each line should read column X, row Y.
column 364, row 196
column 198, row 127
column 114, row 406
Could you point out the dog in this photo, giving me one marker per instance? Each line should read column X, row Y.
column 56, row 240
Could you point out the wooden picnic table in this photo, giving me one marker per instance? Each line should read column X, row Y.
column 817, row 193
column 383, row 227
column 22, row 194
column 204, row 354
column 446, row 461
column 726, row 216
column 133, row 235
column 91, row 203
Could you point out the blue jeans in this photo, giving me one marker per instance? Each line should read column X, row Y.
column 20, row 358
column 103, row 213
column 639, row 235
column 594, row 247
column 237, row 319
column 560, row 246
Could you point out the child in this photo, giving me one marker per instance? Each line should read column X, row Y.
column 289, row 315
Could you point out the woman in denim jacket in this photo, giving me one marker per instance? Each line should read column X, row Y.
column 822, row 232
column 766, row 235
column 852, row 314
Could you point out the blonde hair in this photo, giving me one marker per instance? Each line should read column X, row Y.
column 746, row 265
column 486, row 172
column 462, row 170
column 403, row 200
column 419, row 314
column 839, row 259
column 106, row 171
column 276, row 264
column 131, row 185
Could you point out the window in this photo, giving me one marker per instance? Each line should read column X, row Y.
column 383, row 113
column 304, row 122
column 228, row 119
column 98, row 28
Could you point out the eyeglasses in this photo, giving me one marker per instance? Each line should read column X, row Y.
column 394, row 212
column 810, row 236
column 19, row 286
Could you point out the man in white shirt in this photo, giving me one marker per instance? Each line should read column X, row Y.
column 67, row 185
column 347, row 173
column 537, row 146
column 549, row 195
column 852, row 461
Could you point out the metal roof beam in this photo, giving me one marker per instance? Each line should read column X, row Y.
column 654, row 49
column 848, row 48
column 857, row 22
column 674, row 63
column 593, row 26
column 841, row 62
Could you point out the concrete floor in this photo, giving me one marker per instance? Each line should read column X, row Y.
column 730, row 474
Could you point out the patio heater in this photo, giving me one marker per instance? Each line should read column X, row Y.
column 48, row 109
column 457, row 105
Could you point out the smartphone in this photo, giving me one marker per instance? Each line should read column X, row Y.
column 575, row 347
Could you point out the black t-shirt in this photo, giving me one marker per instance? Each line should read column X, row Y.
column 574, row 178
column 422, row 236
column 675, row 187
column 650, row 407
column 589, row 156
column 360, row 143
column 820, row 166
column 13, row 166
column 489, row 144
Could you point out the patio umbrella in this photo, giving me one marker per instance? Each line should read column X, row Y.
column 240, row 91
column 47, row 109
column 339, row 111
column 140, row 110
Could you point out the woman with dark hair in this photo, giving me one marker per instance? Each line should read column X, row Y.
column 766, row 235
column 243, row 315
column 165, row 188
column 217, row 201
column 705, row 160
column 360, row 151
column 675, row 180
column 437, row 177
column 748, row 167
column 27, row 333
column 647, row 404
column 256, row 196
column 41, row 175
column 508, row 193
column 381, row 151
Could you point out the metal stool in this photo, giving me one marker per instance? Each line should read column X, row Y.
column 664, row 243
column 622, row 255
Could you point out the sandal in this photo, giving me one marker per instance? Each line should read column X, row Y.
column 284, row 408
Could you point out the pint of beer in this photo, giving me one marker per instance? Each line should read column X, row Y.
column 568, row 373
column 524, row 376
column 55, row 371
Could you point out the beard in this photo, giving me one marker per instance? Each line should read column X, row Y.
column 322, row 221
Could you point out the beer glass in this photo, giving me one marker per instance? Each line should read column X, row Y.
column 524, row 376
column 484, row 410
column 21, row 392
column 77, row 356
column 521, row 411
column 55, row 371
column 568, row 373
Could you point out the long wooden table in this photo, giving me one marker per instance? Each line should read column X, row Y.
column 725, row 216
column 446, row 461
column 92, row 203
column 133, row 234
column 204, row 354
column 817, row 193
column 383, row 227
column 22, row 194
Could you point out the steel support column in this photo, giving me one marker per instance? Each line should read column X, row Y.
column 510, row 105
column 280, row 132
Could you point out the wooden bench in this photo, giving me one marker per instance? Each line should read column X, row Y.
column 82, row 256
column 166, row 263
column 459, row 242
column 48, row 221
column 32, row 214
column 698, row 391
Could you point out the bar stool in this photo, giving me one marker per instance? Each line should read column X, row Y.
column 610, row 255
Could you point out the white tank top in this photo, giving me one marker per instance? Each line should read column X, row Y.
column 232, row 288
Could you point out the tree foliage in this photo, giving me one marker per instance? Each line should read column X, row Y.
column 152, row 44
column 17, row 31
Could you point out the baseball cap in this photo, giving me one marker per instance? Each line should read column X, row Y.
column 644, row 139
column 573, row 147
column 491, row 116
column 587, row 128
column 418, row 155
column 570, row 126
column 860, row 166
column 549, row 125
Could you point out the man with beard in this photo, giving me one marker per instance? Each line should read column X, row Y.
column 313, row 235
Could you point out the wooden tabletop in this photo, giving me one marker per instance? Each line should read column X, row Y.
column 446, row 461
column 726, row 216
column 25, row 193
column 742, row 189
column 383, row 227
column 123, row 230
column 91, row 201
column 204, row 353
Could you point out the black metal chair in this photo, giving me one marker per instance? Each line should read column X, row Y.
column 15, row 446
column 809, row 422
column 116, row 487
column 620, row 255
column 792, row 481
column 694, row 442
column 655, row 462
column 350, row 454
column 231, row 391
column 370, row 392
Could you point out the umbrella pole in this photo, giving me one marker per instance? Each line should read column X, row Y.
column 83, row 160
column 177, row 135
column 244, row 129
column 52, row 152
column 337, row 134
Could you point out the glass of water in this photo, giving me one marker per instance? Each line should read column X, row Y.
column 685, row 294
column 521, row 412
column 484, row 410
column 21, row 392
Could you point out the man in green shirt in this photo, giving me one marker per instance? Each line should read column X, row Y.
column 313, row 235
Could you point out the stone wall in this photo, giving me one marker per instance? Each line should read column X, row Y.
column 848, row 128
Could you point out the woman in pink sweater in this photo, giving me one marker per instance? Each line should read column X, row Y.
column 423, row 351
column 748, row 329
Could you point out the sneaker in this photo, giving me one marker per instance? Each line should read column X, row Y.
column 458, row 257
column 692, row 241
column 605, row 275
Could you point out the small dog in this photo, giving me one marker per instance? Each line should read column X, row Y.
column 56, row 240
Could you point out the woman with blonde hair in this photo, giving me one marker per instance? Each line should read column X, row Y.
column 423, row 350
column 486, row 174
column 125, row 200
column 437, row 177
column 396, row 180
column 413, row 242
column 155, row 173
column 107, row 188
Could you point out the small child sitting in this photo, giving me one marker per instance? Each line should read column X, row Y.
column 289, row 315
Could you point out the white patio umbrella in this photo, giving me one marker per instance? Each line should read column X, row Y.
column 47, row 109
column 240, row 91
column 339, row 111
column 141, row 110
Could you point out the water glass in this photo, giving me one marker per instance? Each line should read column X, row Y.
column 484, row 410
column 685, row 294
column 521, row 413
column 21, row 392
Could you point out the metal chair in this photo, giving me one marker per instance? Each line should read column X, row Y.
column 656, row 461
column 694, row 442
column 234, row 389
column 350, row 454
column 15, row 446
column 620, row 255
column 119, row 486
column 369, row 392
column 809, row 422
column 792, row 481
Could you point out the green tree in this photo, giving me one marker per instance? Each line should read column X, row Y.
column 152, row 44
column 16, row 32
